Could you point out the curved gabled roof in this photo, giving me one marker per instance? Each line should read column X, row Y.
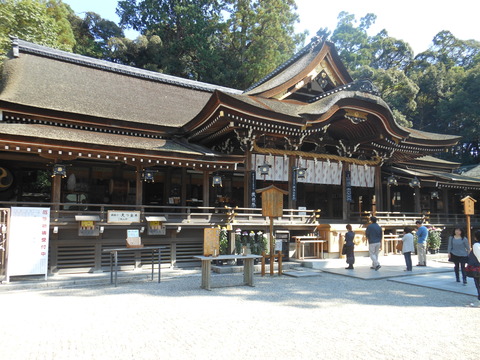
column 317, row 57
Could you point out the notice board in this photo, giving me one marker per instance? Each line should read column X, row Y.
column 211, row 241
column 28, row 241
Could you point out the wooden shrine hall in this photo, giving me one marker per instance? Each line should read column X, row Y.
column 91, row 139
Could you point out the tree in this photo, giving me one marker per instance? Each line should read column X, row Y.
column 460, row 114
column 188, row 30
column 352, row 42
column 40, row 21
column 389, row 53
column 93, row 35
column 143, row 52
column 260, row 36
column 232, row 43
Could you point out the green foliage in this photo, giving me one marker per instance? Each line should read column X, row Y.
column 223, row 241
column 259, row 36
column 189, row 32
column 256, row 242
column 232, row 43
column 42, row 22
column 94, row 35
column 434, row 239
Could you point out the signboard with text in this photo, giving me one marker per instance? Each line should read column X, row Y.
column 123, row 217
column 28, row 241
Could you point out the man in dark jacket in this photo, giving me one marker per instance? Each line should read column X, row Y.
column 374, row 234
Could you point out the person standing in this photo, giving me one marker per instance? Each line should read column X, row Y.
column 407, row 247
column 458, row 249
column 422, row 235
column 350, row 247
column 374, row 234
column 474, row 260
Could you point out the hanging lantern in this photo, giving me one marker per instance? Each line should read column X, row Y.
column 148, row 175
column 59, row 169
column 392, row 181
column 414, row 183
column 301, row 173
column 264, row 169
column 217, row 181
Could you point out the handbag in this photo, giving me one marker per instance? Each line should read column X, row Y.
column 344, row 249
column 399, row 245
column 473, row 265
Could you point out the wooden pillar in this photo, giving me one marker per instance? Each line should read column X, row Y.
column 378, row 188
column 416, row 197
column 56, row 195
column 183, row 191
column 138, row 186
column 247, row 188
column 445, row 194
column 389, row 198
column 292, row 204
column 206, row 188
column 345, row 204
column 168, row 185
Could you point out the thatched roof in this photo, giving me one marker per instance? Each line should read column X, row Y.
column 44, row 78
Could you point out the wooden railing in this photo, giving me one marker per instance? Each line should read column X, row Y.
column 409, row 218
column 64, row 214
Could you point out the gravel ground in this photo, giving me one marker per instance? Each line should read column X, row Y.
column 327, row 317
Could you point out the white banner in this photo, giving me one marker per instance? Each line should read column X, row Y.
column 29, row 230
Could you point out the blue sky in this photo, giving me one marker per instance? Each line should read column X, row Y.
column 414, row 21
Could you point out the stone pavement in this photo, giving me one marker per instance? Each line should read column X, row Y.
column 437, row 275
column 331, row 315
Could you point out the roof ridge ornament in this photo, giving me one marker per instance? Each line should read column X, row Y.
column 365, row 85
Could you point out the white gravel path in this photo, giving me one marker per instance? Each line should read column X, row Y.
column 322, row 317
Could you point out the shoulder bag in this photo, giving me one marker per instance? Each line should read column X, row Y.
column 473, row 266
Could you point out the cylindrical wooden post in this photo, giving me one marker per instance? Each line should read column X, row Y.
column 280, row 263
column 272, row 262
column 263, row 263
column 469, row 234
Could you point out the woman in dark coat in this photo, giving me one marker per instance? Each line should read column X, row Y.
column 349, row 246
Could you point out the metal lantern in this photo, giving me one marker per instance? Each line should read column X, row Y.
column 434, row 195
column 217, row 180
column 264, row 169
column 301, row 173
column 392, row 181
column 414, row 182
column 148, row 175
column 59, row 169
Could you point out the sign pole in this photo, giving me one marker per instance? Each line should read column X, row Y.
column 469, row 232
column 272, row 248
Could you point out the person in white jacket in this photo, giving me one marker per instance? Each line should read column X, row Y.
column 407, row 247
column 476, row 252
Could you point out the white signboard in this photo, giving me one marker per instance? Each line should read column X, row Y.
column 133, row 233
column 125, row 217
column 28, row 241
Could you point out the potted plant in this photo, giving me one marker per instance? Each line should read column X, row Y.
column 223, row 244
column 434, row 240
column 241, row 242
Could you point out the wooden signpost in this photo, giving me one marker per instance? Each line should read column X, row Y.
column 272, row 206
column 211, row 242
column 469, row 209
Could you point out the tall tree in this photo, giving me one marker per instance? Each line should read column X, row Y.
column 188, row 31
column 232, row 42
column 352, row 42
column 260, row 36
column 93, row 35
column 40, row 21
